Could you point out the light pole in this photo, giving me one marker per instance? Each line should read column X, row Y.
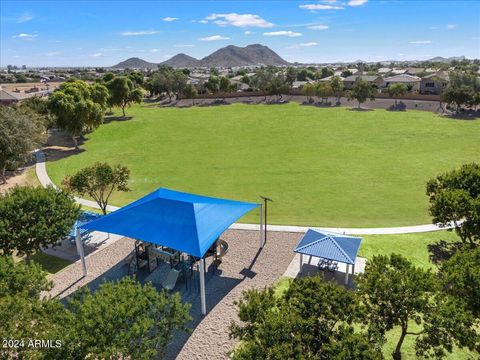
column 265, row 201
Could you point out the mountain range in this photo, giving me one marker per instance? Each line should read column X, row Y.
column 228, row 56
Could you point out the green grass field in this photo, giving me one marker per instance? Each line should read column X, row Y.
column 412, row 246
column 328, row 167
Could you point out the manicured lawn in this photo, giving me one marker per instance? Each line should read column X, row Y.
column 411, row 246
column 51, row 264
column 328, row 167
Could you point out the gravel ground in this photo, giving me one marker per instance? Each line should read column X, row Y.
column 243, row 267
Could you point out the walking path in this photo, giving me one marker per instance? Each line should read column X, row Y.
column 45, row 180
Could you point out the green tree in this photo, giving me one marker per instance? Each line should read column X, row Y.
column 336, row 85
column 462, row 89
column 99, row 181
column 177, row 82
column 396, row 90
column 213, row 84
column 18, row 278
column 323, row 91
column 123, row 93
column 74, row 108
column 395, row 293
column 309, row 90
column 33, row 218
column 278, row 86
column 312, row 320
column 290, row 75
column 361, row 91
column 455, row 199
column 100, row 95
column 24, row 315
column 137, row 78
column 190, row 92
column 224, row 85
column 21, row 131
column 326, row 72
column 460, row 277
column 123, row 319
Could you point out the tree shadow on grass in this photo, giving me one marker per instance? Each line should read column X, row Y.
column 401, row 106
column 359, row 109
column 54, row 153
column 443, row 250
column 109, row 119
column 464, row 115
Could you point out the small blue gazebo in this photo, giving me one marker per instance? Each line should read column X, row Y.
column 337, row 247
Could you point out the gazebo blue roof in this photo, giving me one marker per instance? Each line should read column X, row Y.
column 338, row 247
column 185, row 222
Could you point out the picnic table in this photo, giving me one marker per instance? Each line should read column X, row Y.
column 327, row 264
column 85, row 217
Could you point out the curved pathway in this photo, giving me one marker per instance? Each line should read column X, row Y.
column 45, row 180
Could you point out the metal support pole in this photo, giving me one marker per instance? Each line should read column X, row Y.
column 265, row 200
column 202, row 286
column 346, row 274
column 301, row 262
column 78, row 242
column 265, row 232
column 261, row 226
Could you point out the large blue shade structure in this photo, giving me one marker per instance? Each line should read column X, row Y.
column 331, row 246
column 185, row 222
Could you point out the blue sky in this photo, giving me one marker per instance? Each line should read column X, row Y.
column 102, row 33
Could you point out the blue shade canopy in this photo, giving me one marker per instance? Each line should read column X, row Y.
column 338, row 247
column 185, row 222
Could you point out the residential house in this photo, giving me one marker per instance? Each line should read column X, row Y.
column 374, row 80
column 384, row 70
column 414, row 70
column 412, row 82
column 433, row 83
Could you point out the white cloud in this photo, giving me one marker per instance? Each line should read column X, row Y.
column 25, row 36
column 183, row 45
column 283, row 33
column 96, row 55
column 301, row 45
column 25, row 18
column 320, row 7
column 357, row 2
column 451, row 26
column 433, row 28
column 138, row 33
column 169, row 19
column 54, row 53
column 154, row 50
column 214, row 38
column 249, row 32
column 318, row 27
column 420, row 42
column 239, row 20
column 203, row 21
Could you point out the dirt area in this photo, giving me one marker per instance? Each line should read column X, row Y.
column 24, row 176
column 26, row 86
column 379, row 103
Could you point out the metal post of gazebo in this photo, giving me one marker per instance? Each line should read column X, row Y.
column 202, row 286
column 346, row 273
column 79, row 243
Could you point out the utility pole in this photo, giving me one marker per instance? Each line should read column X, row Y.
column 265, row 201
